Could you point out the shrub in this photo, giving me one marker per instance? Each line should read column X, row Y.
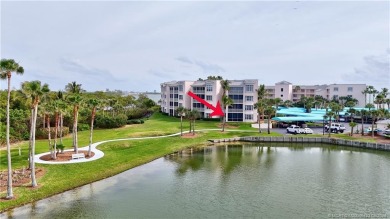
column 41, row 133
column 212, row 119
column 135, row 121
column 111, row 122
column 82, row 127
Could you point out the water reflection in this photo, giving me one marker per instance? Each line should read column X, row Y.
column 238, row 180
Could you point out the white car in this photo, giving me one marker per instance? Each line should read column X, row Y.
column 307, row 131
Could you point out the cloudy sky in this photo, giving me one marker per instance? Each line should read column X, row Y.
column 135, row 46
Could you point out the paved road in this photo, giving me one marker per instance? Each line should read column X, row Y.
column 320, row 130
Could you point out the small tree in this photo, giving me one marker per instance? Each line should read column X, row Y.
column 227, row 101
column 181, row 111
column 352, row 125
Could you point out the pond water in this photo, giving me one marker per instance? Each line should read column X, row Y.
column 255, row 180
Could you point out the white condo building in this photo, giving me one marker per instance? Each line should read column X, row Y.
column 243, row 93
column 287, row 91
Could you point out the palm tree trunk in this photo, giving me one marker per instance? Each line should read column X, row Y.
column 55, row 135
column 372, row 126
column 61, row 126
column 362, row 126
column 181, row 125
column 258, row 121
column 75, row 134
column 90, row 134
column 330, row 125
column 74, row 128
column 10, row 194
column 49, row 136
column 33, row 179
column 223, row 123
column 268, row 122
column 30, row 141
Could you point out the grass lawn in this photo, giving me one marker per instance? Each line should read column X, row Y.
column 119, row 156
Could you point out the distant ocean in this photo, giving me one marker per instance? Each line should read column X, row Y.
column 153, row 96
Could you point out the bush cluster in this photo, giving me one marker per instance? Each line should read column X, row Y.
column 135, row 121
column 111, row 122
column 42, row 133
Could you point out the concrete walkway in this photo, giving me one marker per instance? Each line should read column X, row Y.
column 99, row 154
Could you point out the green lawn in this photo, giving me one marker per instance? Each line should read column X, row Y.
column 119, row 156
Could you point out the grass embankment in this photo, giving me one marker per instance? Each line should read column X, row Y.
column 119, row 156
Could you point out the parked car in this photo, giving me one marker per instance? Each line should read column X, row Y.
column 386, row 132
column 335, row 127
column 295, row 129
column 307, row 131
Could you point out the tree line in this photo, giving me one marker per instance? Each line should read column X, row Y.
column 34, row 110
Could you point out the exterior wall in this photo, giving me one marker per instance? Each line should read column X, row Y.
column 326, row 91
column 355, row 90
column 283, row 90
column 270, row 91
column 172, row 96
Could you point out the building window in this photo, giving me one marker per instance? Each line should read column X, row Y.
column 234, row 116
column 249, row 98
column 248, row 107
column 335, row 97
column 249, row 88
column 350, row 89
column 248, row 117
column 180, row 97
column 207, row 115
column 180, row 104
column 281, row 95
column 180, row 87
column 281, row 89
column 209, row 87
column 335, row 89
column 209, row 97
column 198, row 89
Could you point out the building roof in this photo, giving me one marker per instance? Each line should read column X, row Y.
column 283, row 82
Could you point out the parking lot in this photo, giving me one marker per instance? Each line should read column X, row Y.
column 319, row 130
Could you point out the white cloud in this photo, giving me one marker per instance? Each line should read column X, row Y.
column 138, row 45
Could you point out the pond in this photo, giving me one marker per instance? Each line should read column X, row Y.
column 247, row 180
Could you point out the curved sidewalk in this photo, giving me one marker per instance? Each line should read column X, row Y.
column 99, row 154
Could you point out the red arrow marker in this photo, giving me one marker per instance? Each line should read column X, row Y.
column 217, row 110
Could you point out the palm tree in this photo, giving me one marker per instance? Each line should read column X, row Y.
column 226, row 101
column 74, row 89
column 93, row 103
column 261, row 95
column 330, row 115
column 35, row 90
column 56, row 106
column 336, row 108
column 363, row 113
column 225, row 84
column 181, row 111
column 387, row 101
column 277, row 102
column 288, row 103
column 7, row 67
column 192, row 116
column 269, row 111
column 374, row 115
column 352, row 125
column 75, row 100
column 260, row 106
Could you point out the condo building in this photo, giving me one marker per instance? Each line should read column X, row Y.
column 287, row 91
column 242, row 92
